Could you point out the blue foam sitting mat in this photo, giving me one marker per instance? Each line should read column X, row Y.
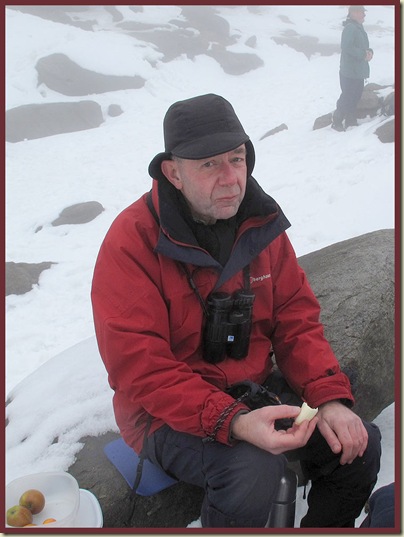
column 126, row 462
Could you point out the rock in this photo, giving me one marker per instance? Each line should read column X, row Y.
column 369, row 103
column 212, row 27
column 81, row 213
column 386, row 132
column 114, row 110
column 198, row 31
column 277, row 129
column 323, row 121
column 176, row 506
column 21, row 277
column 61, row 74
column 388, row 105
column 307, row 44
column 354, row 283
column 32, row 121
column 235, row 63
column 114, row 12
column 252, row 41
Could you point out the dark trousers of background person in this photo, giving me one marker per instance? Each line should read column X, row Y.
column 381, row 508
column 241, row 481
column 352, row 89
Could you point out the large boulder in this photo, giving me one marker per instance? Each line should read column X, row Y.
column 354, row 283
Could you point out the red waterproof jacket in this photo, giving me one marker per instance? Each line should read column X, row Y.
column 149, row 321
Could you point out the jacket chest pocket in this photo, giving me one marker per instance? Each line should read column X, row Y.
column 185, row 310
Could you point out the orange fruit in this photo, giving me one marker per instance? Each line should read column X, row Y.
column 49, row 520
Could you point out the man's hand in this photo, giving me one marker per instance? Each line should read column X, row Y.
column 258, row 428
column 343, row 430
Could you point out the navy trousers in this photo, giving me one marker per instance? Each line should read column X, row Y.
column 351, row 92
column 381, row 508
column 241, row 481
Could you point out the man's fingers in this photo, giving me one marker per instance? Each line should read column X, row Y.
column 276, row 412
column 330, row 437
column 293, row 438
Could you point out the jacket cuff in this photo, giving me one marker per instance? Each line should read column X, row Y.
column 327, row 389
column 222, row 428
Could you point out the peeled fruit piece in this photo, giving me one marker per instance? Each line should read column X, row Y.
column 306, row 413
column 49, row 520
column 33, row 500
column 18, row 516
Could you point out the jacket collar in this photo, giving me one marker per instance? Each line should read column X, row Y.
column 170, row 207
column 259, row 221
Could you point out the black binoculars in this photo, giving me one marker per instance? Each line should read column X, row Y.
column 228, row 326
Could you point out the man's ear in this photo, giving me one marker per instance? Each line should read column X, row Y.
column 170, row 170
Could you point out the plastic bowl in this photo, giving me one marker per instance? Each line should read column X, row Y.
column 62, row 497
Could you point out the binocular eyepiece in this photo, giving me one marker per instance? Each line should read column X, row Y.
column 228, row 326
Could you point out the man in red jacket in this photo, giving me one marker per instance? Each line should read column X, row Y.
column 197, row 289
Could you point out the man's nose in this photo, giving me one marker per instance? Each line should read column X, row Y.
column 227, row 174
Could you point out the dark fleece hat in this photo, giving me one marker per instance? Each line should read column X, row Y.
column 199, row 128
column 356, row 8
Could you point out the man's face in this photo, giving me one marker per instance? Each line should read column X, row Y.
column 358, row 16
column 213, row 187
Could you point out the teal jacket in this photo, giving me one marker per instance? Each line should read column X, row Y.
column 354, row 44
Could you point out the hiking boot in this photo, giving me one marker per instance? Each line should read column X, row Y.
column 337, row 126
column 351, row 121
column 337, row 118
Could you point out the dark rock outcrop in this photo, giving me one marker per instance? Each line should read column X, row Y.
column 200, row 30
column 80, row 213
column 21, row 277
column 32, row 121
column 114, row 110
column 61, row 74
column 370, row 102
column 322, row 121
column 386, row 132
column 277, row 129
column 309, row 45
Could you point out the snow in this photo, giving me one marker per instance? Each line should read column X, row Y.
column 345, row 179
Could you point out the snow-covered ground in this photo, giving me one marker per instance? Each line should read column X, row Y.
column 332, row 186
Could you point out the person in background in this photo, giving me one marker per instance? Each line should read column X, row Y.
column 380, row 508
column 354, row 68
column 196, row 288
